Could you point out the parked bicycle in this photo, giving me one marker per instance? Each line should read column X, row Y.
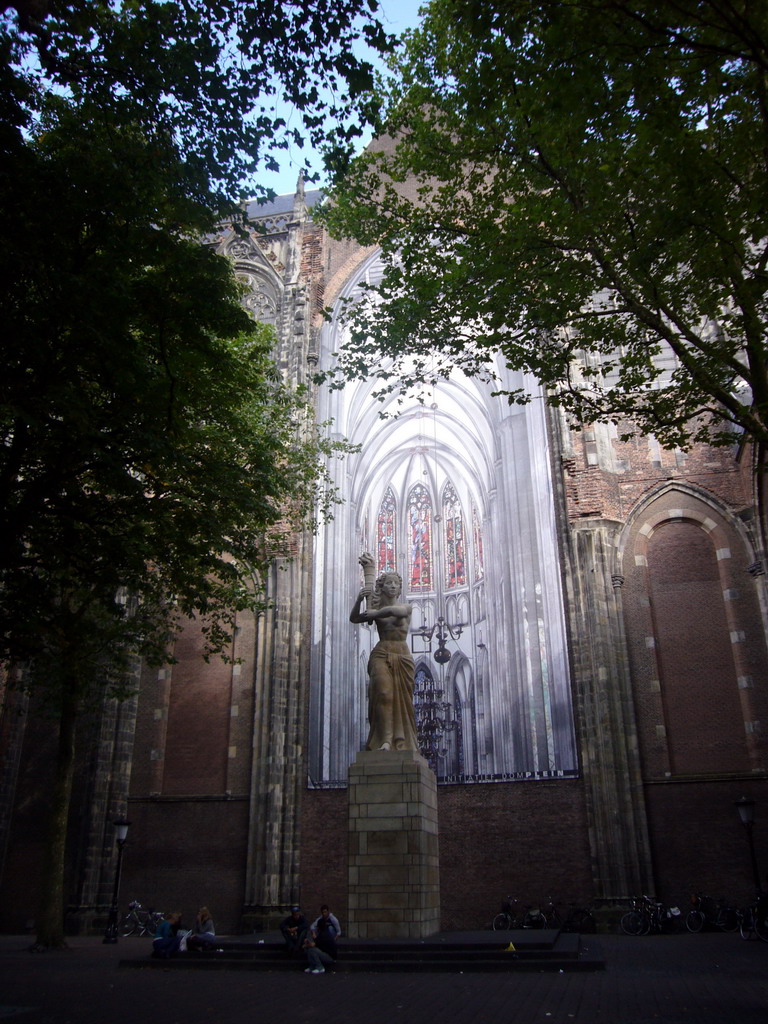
column 505, row 919
column 576, row 919
column 550, row 914
column 648, row 915
column 511, row 918
column 140, row 921
column 753, row 919
column 544, row 915
column 580, row 920
column 707, row 911
column 534, row 917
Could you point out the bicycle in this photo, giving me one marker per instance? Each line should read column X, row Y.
column 753, row 919
column 534, row 917
column 579, row 920
column 552, row 916
column 507, row 919
column 707, row 911
column 648, row 915
column 141, row 921
column 636, row 920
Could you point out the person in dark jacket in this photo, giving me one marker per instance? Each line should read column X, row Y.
column 294, row 930
column 167, row 940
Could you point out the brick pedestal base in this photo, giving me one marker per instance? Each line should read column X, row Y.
column 394, row 888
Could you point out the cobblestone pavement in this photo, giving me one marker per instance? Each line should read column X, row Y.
column 676, row 979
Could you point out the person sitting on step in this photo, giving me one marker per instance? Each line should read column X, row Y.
column 294, row 930
column 318, row 958
column 203, row 932
column 167, row 941
column 325, row 930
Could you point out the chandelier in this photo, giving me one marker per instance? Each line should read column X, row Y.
column 444, row 632
column 433, row 717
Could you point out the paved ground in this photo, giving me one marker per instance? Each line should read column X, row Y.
column 674, row 979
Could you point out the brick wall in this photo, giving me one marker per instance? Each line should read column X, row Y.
column 185, row 853
column 198, row 721
column 696, row 642
column 698, row 842
column 528, row 840
column 609, row 479
column 702, row 712
column 189, row 798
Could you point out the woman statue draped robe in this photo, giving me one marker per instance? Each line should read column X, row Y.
column 390, row 666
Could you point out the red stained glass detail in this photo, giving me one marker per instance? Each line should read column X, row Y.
column 455, row 571
column 385, row 533
column 420, row 539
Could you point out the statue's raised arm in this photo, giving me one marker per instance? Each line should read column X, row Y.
column 366, row 594
column 390, row 666
column 369, row 568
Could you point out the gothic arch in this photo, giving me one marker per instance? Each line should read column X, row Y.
column 461, row 693
column 682, row 500
column 695, row 635
column 264, row 286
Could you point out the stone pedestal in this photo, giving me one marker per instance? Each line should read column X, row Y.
column 394, row 888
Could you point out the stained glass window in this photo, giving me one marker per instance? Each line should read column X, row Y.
column 478, row 539
column 419, row 539
column 385, row 533
column 455, row 572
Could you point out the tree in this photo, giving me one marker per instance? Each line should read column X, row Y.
column 217, row 75
column 152, row 460
column 589, row 202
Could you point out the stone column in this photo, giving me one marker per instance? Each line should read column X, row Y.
column 394, row 888
column 277, row 774
column 609, row 743
column 107, row 761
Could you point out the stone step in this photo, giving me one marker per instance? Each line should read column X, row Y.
column 546, row 952
column 378, row 966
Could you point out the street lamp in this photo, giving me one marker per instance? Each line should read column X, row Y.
column 746, row 809
column 121, row 827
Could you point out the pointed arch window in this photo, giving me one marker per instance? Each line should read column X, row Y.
column 385, row 533
column 477, row 536
column 455, row 571
column 419, row 512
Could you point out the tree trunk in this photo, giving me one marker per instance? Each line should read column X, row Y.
column 50, row 915
column 760, row 498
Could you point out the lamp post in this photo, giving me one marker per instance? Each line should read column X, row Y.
column 110, row 935
column 746, row 809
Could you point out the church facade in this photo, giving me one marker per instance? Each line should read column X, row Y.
column 589, row 635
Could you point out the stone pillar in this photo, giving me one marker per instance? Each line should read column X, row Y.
column 394, row 887
column 107, row 765
column 278, row 775
column 621, row 856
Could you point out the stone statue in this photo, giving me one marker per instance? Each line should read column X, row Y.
column 390, row 666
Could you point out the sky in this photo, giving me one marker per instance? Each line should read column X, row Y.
column 397, row 15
